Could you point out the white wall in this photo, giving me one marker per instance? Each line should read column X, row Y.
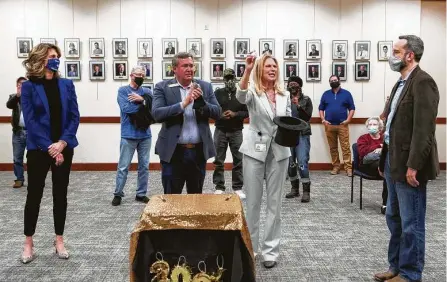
column 327, row 20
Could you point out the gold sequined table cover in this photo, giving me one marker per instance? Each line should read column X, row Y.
column 193, row 212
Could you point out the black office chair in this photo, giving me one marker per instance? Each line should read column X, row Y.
column 356, row 165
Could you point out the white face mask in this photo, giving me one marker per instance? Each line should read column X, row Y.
column 373, row 129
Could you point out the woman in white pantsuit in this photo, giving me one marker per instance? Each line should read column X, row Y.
column 263, row 157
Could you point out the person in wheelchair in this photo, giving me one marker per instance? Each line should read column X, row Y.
column 369, row 147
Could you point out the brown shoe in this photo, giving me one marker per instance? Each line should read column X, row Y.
column 335, row 171
column 17, row 184
column 384, row 276
column 396, row 279
column 349, row 172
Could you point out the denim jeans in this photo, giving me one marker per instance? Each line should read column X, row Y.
column 300, row 156
column 127, row 149
column 405, row 217
column 18, row 151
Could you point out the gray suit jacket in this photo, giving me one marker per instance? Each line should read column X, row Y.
column 261, row 121
column 166, row 109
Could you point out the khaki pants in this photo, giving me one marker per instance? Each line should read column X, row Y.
column 333, row 134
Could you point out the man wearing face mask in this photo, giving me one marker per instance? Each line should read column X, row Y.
column 131, row 100
column 336, row 111
column 299, row 161
column 228, row 132
column 409, row 159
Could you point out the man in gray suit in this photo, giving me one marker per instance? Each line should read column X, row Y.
column 184, row 143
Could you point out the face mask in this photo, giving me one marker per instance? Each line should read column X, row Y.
column 396, row 64
column 138, row 81
column 334, row 84
column 294, row 89
column 373, row 129
column 230, row 85
column 53, row 64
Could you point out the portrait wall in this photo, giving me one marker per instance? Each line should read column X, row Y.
column 97, row 70
column 362, row 50
column 169, row 47
column 148, row 70
column 313, row 71
column 168, row 72
column 120, row 47
column 73, row 70
column 120, row 70
column 384, row 50
column 239, row 69
column 217, row 68
column 144, row 46
column 267, row 46
column 194, row 46
column 241, row 47
column 97, row 47
column 362, row 71
column 339, row 49
column 218, row 49
column 48, row 40
column 291, row 69
column 313, row 49
column 24, row 46
column 339, row 69
column 72, row 47
column 291, row 48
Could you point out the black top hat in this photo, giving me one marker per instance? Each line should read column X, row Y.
column 296, row 79
column 289, row 129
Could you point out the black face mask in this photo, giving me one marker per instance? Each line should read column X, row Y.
column 335, row 84
column 294, row 90
column 138, row 81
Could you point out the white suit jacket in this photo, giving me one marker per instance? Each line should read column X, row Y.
column 261, row 127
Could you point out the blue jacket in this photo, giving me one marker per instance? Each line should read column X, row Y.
column 36, row 113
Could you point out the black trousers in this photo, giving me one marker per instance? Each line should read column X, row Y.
column 372, row 169
column 38, row 163
column 187, row 165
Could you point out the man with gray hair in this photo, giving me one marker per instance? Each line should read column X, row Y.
column 135, row 135
column 409, row 159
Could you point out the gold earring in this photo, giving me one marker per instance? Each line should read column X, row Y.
column 183, row 270
column 220, row 270
column 202, row 276
column 160, row 268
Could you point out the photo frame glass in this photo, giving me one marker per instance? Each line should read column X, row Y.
column 120, row 71
column 97, row 47
column 218, row 47
column 362, row 71
column 144, row 46
column 198, row 70
column 239, row 69
column 97, row 70
column 24, row 46
column 384, row 50
column 149, row 86
column 313, row 49
column 169, row 47
column 72, row 47
column 120, row 47
column 362, row 50
column 241, row 47
column 217, row 68
column 313, row 71
column 217, row 85
column 291, row 49
column 147, row 65
column 168, row 72
column 194, row 47
column 339, row 49
column 48, row 40
column 339, row 69
column 73, row 70
column 291, row 69
column 267, row 46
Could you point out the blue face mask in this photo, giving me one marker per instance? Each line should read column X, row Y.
column 53, row 64
column 373, row 129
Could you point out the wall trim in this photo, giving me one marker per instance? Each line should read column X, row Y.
column 157, row 166
column 104, row 119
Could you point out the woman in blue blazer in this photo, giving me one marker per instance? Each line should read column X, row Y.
column 50, row 110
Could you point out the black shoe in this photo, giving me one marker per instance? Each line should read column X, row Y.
column 383, row 210
column 143, row 199
column 116, row 201
column 269, row 264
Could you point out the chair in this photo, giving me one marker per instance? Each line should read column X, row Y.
column 356, row 166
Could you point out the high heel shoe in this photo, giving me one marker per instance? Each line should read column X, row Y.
column 28, row 259
column 61, row 255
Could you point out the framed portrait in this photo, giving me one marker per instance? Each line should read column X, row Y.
column 313, row 71
column 96, row 49
column 291, row 69
column 97, row 70
column 384, row 49
column 217, row 68
column 198, row 70
column 362, row 71
column 147, row 65
column 313, row 49
column 168, row 71
column 119, row 47
column 194, row 46
column 217, row 85
column 144, row 46
column 241, row 47
column 48, row 40
column 362, row 50
column 267, row 46
column 150, row 86
column 72, row 47
column 239, row 69
column 291, row 48
column 339, row 49
column 73, row 70
column 24, row 46
column 120, row 70
column 339, row 69
column 169, row 47
column 218, row 49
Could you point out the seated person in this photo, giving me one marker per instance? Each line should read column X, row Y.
column 369, row 147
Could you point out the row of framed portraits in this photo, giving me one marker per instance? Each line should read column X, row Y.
column 97, row 70
column 218, row 50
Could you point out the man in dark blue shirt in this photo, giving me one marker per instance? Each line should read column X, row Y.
column 336, row 111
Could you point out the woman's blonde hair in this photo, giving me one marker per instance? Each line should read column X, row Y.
column 35, row 64
column 379, row 121
column 259, row 71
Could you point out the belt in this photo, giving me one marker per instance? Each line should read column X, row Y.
column 189, row 146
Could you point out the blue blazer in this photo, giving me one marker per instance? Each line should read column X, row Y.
column 36, row 113
column 167, row 110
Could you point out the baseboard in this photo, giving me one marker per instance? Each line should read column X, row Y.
column 157, row 166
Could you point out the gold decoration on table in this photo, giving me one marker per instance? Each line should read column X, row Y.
column 160, row 268
column 183, row 270
column 202, row 276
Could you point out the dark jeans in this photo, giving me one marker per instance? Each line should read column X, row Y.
column 18, row 151
column 372, row 170
column 221, row 141
column 405, row 217
column 38, row 163
column 187, row 165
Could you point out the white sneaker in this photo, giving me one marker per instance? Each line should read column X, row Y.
column 241, row 194
column 218, row 192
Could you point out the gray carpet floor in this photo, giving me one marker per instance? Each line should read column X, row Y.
column 328, row 239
